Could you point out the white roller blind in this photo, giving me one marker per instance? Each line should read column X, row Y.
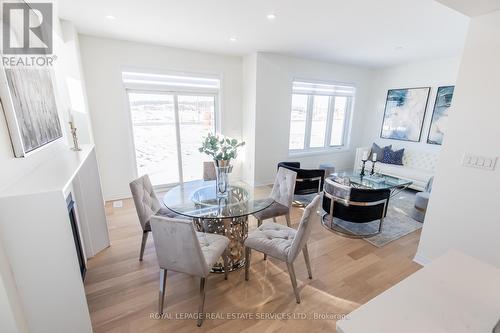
column 138, row 80
column 314, row 88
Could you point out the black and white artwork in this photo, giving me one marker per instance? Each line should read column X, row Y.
column 439, row 121
column 404, row 114
column 30, row 108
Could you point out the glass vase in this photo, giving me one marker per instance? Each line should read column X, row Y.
column 222, row 170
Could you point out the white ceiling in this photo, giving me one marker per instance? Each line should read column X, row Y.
column 473, row 8
column 371, row 33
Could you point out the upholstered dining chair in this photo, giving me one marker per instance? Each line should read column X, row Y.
column 282, row 194
column 181, row 249
column 283, row 243
column 209, row 171
column 147, row 204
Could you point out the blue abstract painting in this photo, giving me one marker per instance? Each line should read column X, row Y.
column 439, row 121
column 404, row 114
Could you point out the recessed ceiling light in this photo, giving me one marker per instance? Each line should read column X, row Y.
column 232, row 39
column 110, row 17
column 271, row 16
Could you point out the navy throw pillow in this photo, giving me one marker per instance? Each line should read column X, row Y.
column 379, row 151
column 393, row 156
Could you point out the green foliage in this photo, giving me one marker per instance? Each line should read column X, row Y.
column 219, row 147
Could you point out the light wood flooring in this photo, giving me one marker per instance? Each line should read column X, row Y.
column 122, row 292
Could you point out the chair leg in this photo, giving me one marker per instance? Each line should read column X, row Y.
column 163, row 284
column 143, row 244
column 288, row 222
column 247, row 262
column 225, row 257
column 291, row 271
column 259, row 223
column 274, row 219
column 308, row 263
column 265, row 256
column 201, row 314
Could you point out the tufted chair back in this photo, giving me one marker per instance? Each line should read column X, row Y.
column 145, row 200
column 304, row 230
column 284, row 187
column 177, row 246
column 209, row 171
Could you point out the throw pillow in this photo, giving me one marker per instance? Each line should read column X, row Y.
column 393, row 156
column 379, row 151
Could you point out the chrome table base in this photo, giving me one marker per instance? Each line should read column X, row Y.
column 236, row 229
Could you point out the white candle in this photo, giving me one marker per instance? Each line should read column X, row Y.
column 365, row 156
column 374, row 157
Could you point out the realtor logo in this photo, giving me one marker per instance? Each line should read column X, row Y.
column 27, row 28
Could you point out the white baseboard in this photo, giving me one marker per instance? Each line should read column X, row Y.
column 421, row 260
column 118, row 196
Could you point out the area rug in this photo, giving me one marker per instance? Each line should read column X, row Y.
column 399, row 221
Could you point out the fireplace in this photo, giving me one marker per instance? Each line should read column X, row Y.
column 76, row 235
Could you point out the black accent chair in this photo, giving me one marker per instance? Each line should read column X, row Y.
column 356, row 205
column 308, row 181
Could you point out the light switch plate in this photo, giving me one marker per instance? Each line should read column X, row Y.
column 118, row 204
column 480, row 162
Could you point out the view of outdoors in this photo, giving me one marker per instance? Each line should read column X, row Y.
column 319, row 121
column 338, row 121
column 154, row 127
column 298, row 121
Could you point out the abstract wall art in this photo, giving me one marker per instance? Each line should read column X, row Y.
column 404, row 114
column 30, row 108
column 439, row 120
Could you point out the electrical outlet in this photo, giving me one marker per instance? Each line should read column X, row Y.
column 118, row 204
column 480, row 162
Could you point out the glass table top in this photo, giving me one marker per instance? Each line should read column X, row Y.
column 198, row 199
column 376, row 182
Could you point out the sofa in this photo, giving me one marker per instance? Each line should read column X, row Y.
column 418, row 166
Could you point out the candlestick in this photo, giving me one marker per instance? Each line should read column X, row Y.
column 374, row 157
column 363, row 168
column 373, row 167
column 365, row 156
column 75, row 147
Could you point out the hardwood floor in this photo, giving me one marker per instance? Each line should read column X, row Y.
column 122, row 292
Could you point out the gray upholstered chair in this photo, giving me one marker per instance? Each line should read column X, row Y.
column 181, row 249
column 209, row 171
column 147, row 204
column 282, row 194
column 283, row 243
column 422, row 201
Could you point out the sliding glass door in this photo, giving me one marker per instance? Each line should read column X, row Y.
column 167, row 129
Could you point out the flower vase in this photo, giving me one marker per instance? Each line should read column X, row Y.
column 222, row 170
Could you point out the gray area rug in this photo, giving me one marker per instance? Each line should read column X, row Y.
column 400, row 221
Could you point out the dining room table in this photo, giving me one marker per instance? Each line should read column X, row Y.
column 225, row 215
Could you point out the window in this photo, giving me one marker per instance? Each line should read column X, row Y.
column 319, row 116
column 169, row 115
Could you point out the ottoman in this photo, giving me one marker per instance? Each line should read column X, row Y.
column 421, row 202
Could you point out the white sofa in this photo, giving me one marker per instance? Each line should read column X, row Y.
column 417, row 166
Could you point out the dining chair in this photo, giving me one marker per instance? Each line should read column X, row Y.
column 283, row 243
column 181, row 249
column 147, row 204
column 209, row 171
column 282, row 194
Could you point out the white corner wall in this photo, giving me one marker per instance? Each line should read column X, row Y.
column 275, row 74
column 103, row 61
column 463, row 213
column 248, row 117
column 433, row 74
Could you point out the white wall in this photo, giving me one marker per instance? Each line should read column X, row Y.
column 434, row 74
column 67, row 56
column 13, row 169
column 248, row 117
column 275, row 74
column 463, row 213
column 103, row 60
